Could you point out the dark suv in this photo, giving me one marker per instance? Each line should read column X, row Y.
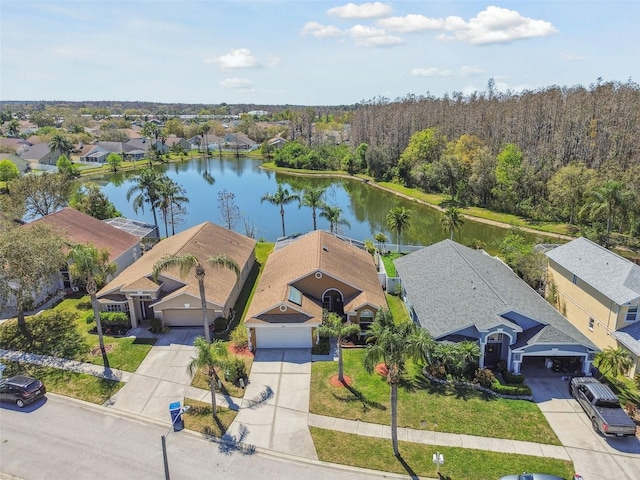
column 21, row 390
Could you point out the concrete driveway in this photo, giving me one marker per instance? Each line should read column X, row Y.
column 162, row 377
column 275, row 409
column 594, row 456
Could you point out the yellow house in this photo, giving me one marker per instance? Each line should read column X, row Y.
column 599, row 292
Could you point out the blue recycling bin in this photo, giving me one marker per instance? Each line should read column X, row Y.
column 175, row 409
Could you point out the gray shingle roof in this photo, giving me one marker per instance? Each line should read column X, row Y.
column 452, row 287
column 629, row 336
column 614, row 276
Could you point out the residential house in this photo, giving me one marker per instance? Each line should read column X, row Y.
column 40, row 154
column 17, row 144
column 457, row 293
column 599, row 292
column 80, row 228
column 102, row 150
column 176, row 300
column 277, row 142
column 314, row 272
column 21, row 163
column 169, row 142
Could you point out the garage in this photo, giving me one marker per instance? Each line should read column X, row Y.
column 557, row 364
column 182, row 318
column 284, row 336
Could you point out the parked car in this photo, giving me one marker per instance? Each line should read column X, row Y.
column 21, row 390
column 602, row 406
column 532, row 476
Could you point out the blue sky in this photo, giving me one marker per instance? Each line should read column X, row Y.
column 313, row 52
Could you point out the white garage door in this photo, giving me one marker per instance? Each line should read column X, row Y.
column 182, row 318
column 283, row 337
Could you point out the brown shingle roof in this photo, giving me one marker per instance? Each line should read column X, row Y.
column 81, row 228
column 201, row 241
column 316, row 251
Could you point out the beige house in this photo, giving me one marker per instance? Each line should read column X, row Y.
column 599, row 292
column 314, row 272
column 176, row 300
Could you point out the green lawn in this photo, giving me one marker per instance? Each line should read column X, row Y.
column 200, row 380
column 397, row 308
column 416, row 459
column 127, row 353
column 70, row 384
column 423, row 405
column 389, row 266
column 199, row 418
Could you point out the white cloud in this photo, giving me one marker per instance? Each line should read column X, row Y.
column 373, row 37
column 492, row 25
column 411, row 23
column 431, row 72
column 496, row 25
column 272, row 61
column 321, row 31
column 237, row 84
column 364, row 10
column 236, row 58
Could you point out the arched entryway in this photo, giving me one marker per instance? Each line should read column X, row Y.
column 332, row 301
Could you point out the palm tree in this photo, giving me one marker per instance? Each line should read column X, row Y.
column 381, row 238
column 170, row 195
column 209, row 356
column 333, row 326
column 92, row 267
column 61, row 143
column 616, row 361
column 607, row 199
column 313, row 198
column 398, row 220
column 451, row 220
column 204, row 130
column 334, row 215
column 186, row 263
column 394, row 344
column 146, row 185
column 282, row 197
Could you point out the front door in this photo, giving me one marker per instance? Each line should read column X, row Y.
column 492, row 354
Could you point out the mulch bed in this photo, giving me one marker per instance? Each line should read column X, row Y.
column 335, row 381
column 381, row 369
column 96, row 351
column 240, row 352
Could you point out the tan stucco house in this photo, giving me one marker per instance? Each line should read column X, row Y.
column 315, row 271
column 599, row 292
column 176, row 300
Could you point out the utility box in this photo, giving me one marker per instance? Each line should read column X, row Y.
column 175, row 409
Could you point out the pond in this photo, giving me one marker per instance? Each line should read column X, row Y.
column 364, row 206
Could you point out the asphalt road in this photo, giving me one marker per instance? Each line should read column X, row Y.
column 60, row 438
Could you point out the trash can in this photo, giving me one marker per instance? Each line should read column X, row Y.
column 176, row 416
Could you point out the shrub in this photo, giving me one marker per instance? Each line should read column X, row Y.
column 437, row 371
column 322, row 348
column 219, row 324
column 156, row 325
column 512, row 378
column 239, row 337
column 112, row 318
column 235, row 370
column 636, row 380
column 484, row 377
column 513, row 390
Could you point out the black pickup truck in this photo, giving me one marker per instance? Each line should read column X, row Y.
column 602, row 406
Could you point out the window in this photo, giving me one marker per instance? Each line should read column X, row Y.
column 632, row 314
column 295, row 295
column 591, row 324
column 113, row 307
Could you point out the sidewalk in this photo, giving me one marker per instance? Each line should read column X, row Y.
column 427, row 437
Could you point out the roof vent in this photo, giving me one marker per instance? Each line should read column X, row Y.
column 325, row 249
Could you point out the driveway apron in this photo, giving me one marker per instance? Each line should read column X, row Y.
column 275, row 408
column 162, row 377
column 594, row 456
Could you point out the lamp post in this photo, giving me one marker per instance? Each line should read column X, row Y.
column 164, row 441
column 438, row 459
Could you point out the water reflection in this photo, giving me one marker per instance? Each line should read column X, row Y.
column 365, row 207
